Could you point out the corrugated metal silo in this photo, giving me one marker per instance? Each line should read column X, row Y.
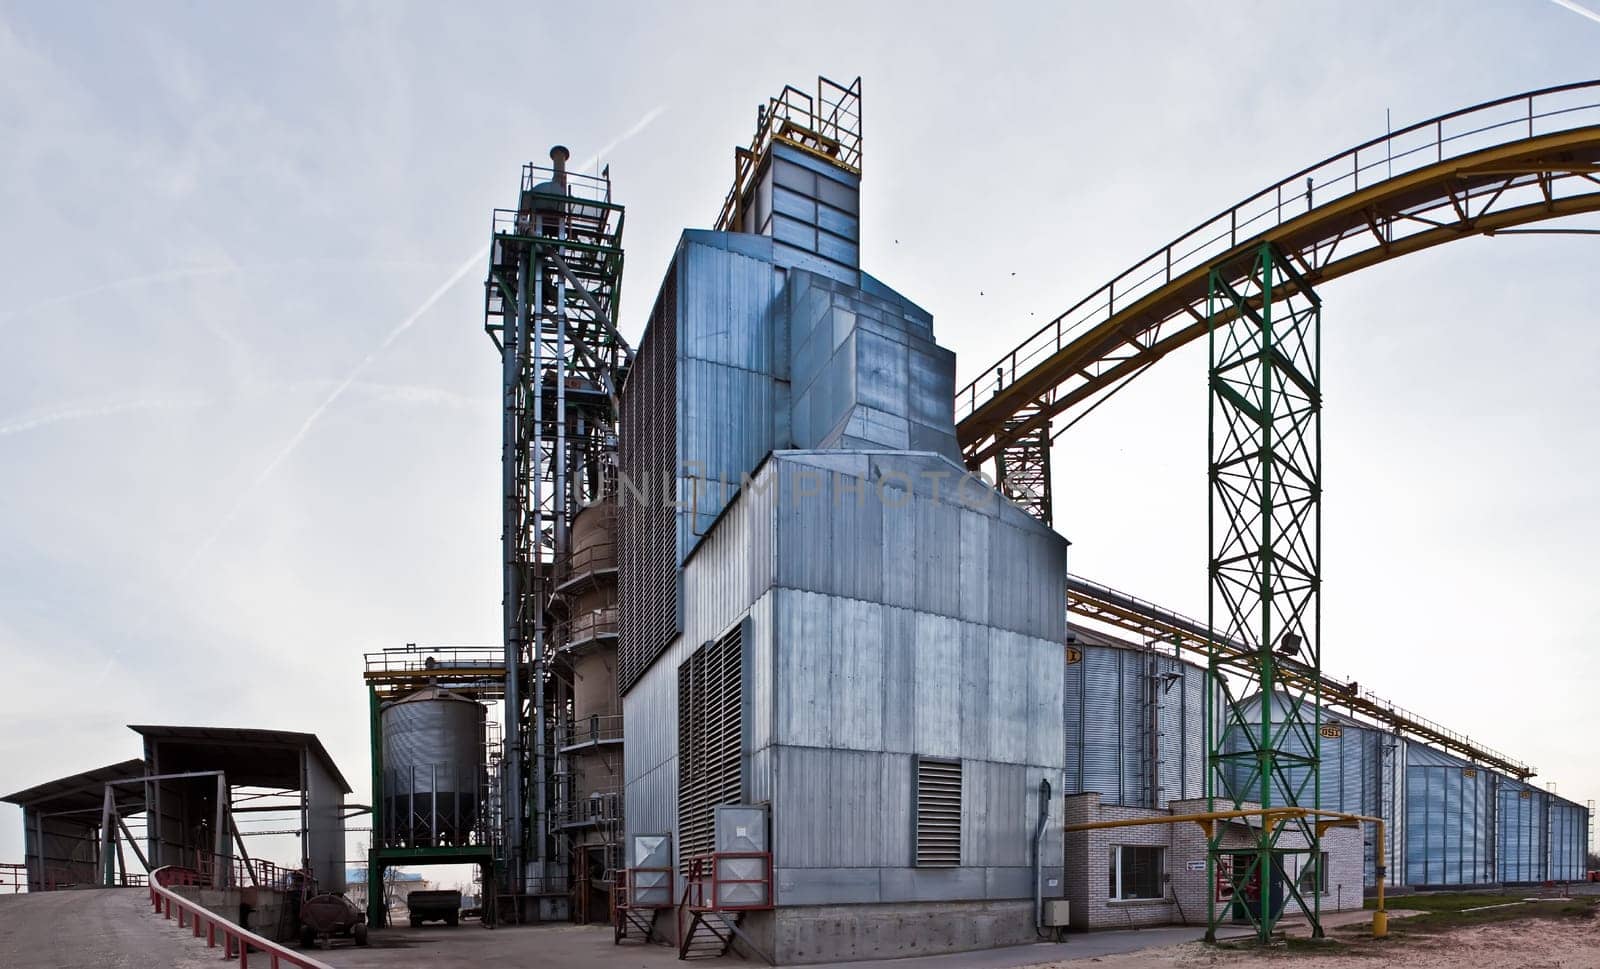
column 1362, row 773
column 1522, row 832
column 433, row 768
column 1449, row 820
column 1569, row 841
column 1134, row 723
column 1542, row 837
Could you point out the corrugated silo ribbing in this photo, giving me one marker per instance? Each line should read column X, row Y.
column 1134, row 725
column 647, row 461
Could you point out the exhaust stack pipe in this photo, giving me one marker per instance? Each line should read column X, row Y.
column 558, row 161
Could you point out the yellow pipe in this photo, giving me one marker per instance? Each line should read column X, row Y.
column 1205, row 819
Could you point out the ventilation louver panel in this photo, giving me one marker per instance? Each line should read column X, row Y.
column 647, row 465
column 710, row 739
column 938, row 813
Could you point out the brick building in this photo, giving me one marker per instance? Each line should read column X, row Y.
column 1146, row 875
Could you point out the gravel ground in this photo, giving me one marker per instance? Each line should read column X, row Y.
column 108, row 928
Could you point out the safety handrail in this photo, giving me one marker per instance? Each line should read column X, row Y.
column 13, row 877
column 237, row 941
column 1195, row 636
column 1340, row 175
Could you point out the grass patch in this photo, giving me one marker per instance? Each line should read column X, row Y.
column 1443, row 902
column 1445, row 915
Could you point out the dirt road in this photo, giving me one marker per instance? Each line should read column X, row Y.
column 1524, row 944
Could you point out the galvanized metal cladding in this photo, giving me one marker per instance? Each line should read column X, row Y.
column 434, row 780
column 811, row 638
column 1134, row 723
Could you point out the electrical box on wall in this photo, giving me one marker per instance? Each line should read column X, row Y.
column 1056, row 913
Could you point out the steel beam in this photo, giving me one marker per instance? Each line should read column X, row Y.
column 1265, row 574
column 1391, row 196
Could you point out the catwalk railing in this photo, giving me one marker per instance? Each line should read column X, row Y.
column 589, row 730
column 1158, row 624
column 1484, row 126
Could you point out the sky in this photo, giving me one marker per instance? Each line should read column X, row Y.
column 248, row 413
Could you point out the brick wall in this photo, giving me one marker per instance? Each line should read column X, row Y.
column 1087, row 865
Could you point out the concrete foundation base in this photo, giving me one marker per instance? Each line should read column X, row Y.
column 258, row 909
column 799, row 935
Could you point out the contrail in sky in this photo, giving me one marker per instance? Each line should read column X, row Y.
column 643, row 123
column 102, row 408
column 472, row 262
column 198, row 272
column 1578, row 9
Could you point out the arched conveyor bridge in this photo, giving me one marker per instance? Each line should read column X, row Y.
column 1492, row 168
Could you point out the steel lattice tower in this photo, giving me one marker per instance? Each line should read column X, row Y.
column 1023, row 463
column 1264, row 730
column 551, row 302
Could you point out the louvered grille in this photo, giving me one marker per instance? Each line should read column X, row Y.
column 938, row 813
column 647, row 459
column 710, row 738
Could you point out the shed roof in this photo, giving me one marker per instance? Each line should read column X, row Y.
column 257, row 758
column 84, row 791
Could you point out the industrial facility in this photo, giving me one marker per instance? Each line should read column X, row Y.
column 869, row 710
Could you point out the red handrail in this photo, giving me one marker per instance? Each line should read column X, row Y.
column 236, row 940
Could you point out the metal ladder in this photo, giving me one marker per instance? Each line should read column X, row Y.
column 710, row 934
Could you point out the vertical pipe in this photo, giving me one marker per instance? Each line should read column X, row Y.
column 107, row 869
column 1038, row 854
column 219, row 848
column 535, row 345
column 512, row 527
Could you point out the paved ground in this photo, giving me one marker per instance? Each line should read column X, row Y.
column 114, row 928
column 589, row 947
column 472, row 945
column 109, row 928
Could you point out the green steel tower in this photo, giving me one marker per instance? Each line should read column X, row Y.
column 1265, row 660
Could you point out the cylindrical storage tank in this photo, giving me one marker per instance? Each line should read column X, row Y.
column 1134, row 722
column 588, row 584
column 1362, row 772
column 433, row 768
column 594, row 537
column 1521, row 829
column 1569, row 841
column 1450, row 820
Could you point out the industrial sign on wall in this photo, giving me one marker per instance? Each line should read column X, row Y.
column 1332, row 731
column 1074, row 655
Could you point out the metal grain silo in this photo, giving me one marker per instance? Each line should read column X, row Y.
column 1449, row 820
column 1522, row 831
column 433, row 768
column 1135, row 727
column 1541, row 837
column 1362, row 772
column 1569, row 841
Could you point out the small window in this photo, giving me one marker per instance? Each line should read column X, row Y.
column 1136, row 872
column 1314, row 876
column 938, row 813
